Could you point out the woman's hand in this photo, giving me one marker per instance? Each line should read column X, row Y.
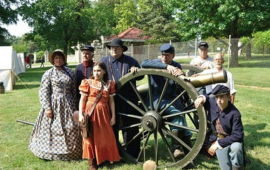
column 112, row 121
column 49, row 113
column 81, row 117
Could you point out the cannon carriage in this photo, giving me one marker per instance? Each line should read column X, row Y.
column 154, row 133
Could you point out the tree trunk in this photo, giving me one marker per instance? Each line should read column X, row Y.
column 65, row 47
column 66, row 41
column 248, row 53
column 234, row 53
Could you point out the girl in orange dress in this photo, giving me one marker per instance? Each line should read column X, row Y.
column 101, row 145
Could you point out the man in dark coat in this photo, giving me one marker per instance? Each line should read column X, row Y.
column 118, row 64
column 157, row 85
column 228, row 134
column 84, row 70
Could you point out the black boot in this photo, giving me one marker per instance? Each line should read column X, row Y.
column 186, row 139
column 176, row 146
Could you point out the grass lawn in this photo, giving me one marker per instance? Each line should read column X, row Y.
column 253, row 93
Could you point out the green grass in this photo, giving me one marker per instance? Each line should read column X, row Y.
column 252, row 99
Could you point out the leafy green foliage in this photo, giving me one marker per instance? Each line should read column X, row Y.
column 262, row 38
column 8, row 15
column 19, row 44
column 125, row 14
column 40, row 55
column 59, row 22
column 221, row 18
column 156, row 22
column 102, row 18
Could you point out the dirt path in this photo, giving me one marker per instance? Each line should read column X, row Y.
column 254, row 87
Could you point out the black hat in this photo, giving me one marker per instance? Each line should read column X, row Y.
column 203, row 45
column 117, row 43
column 166, row 49
column 220, row 90
column 88, row 47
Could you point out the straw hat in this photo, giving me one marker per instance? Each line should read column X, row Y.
column 57, row 52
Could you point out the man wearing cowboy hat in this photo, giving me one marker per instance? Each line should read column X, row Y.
column 84, row 69
column 228, row 134
column 118, row 64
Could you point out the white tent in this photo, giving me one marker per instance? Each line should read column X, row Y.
column 10, row 65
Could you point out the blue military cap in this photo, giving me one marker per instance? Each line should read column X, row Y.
column 220, row 90
column 88, row 47
column 166, row 49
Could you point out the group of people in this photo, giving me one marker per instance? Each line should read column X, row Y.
column 56, row 136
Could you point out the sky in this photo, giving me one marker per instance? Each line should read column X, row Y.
column 18, row 29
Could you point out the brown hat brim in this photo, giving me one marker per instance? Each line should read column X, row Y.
column 54, row 54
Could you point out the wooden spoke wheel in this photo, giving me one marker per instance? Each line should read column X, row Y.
column 154, row 125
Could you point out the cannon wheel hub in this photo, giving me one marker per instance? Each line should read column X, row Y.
column 151, row 121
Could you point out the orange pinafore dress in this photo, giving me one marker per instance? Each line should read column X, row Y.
column 102, row 144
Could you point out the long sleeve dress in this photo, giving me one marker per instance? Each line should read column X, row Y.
column 57, row 138
column 102, row 144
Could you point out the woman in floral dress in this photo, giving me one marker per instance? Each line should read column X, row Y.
column 55, row 135
column 101, row 145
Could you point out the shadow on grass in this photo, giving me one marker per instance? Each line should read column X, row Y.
column 254, row 139
column 255, row 62
column 21, row 86
column 258, row 64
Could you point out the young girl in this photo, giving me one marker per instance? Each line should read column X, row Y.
column 101, row 145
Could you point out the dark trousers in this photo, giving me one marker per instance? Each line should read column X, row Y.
column 132, row 148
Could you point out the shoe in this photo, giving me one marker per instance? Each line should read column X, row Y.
column 93, row 165
column 177, row 153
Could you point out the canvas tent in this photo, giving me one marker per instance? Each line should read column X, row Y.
column 11, row 64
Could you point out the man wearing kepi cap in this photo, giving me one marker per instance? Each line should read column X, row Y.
column 203, row 60
column 118, row 64
column 84, row 69
column 228, row 134
column 172, row 91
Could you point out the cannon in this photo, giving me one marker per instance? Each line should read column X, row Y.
column 154, row 133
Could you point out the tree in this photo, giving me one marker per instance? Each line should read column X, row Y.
column 63, row 23
column 157, row 21
column 125, row 14
column 19, row 44
column 7, row 16
column 221, row 18
column 262, row 40
column 103, row 19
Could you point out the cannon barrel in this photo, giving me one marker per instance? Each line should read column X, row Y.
column 205, row 79
column 197, row 81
